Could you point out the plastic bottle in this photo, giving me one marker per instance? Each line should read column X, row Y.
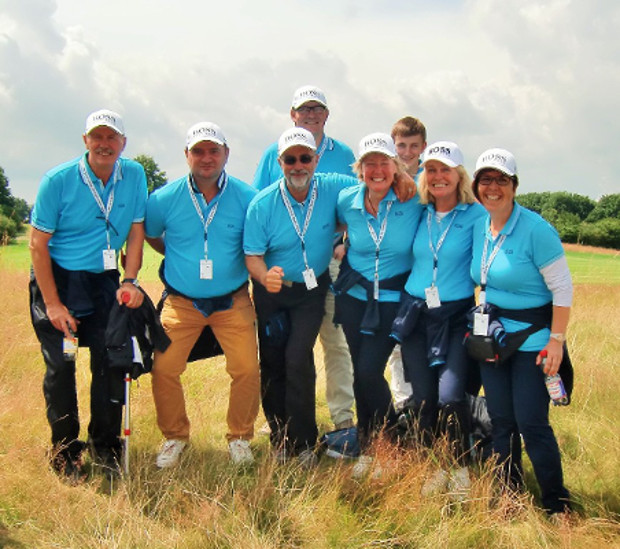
column 555, row 385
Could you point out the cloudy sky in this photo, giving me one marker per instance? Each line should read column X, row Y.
column 540, row 78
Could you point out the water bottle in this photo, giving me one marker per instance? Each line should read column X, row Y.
column 555, row 385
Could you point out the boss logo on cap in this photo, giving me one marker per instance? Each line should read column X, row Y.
column 204, row 131
column 105, row 117
column 295, row 136
column 375, row 141
column 308, row 93
column 496, row 158
column 440, row 150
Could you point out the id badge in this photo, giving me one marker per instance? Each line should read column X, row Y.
column 481, row 324
column 70, row 347
column 109, row 260
column 206, row 269
column 310, row 279
column 432, row 297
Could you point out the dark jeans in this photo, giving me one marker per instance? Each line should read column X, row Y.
column 369, row 354
column 439, row 391
column 518, row 402
column 59, row 384
column 288, row 375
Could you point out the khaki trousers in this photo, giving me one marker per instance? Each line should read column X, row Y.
column 236, row 333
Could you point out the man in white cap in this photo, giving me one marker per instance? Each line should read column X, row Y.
column 309, row 111
column 86, row 210
column 288, row 246
column 197, row 223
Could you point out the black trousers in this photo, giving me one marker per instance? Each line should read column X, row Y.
column 288, row 374
column 59, row 384
column 369, row 354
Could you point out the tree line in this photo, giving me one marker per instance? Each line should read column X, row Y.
column 578, row 219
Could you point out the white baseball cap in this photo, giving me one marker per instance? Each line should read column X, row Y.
column 107, row 118
column 446, row 152
column 497, row 159
column 377, row 143
column 295, row 136
column 308, row 93
column 204, row 131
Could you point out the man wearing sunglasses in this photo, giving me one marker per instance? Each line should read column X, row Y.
column 288, row 245
column 309, row 111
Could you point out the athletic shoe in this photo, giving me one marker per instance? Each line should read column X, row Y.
column 459, row 484
column 240, row 452
column 437, row 484
column 308, row 459
column 170, row 453
column 362, row 467
column 341, row 444
column 70, row 470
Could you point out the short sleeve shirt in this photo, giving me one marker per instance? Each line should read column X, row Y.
column 66, row 209
column 171, row 213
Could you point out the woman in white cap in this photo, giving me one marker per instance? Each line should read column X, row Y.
column 519, row 262
column 380, row 232
column 431, row 322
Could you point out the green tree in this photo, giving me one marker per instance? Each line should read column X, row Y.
column 572, row 203
column 155, row 177
column 13, row 211
column 607, row 206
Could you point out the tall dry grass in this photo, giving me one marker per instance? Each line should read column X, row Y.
column 206, row 502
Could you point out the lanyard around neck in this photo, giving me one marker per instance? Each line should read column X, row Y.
column 206, row 222
column 301, row 233
column 435, row 249
column 105, row 209
column 377, row 240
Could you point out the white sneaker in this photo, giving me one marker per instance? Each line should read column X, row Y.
column 170, row 453
column 240, row 452
column 308, row 459
column 437, row 484
column 362, row 467
column 459, row 484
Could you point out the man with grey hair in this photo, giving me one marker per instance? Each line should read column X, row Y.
column 309, row 110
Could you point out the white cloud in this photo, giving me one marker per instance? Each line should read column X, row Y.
column 539, row 78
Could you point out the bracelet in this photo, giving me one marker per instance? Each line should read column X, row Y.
column 558, row 337
column 133, row 281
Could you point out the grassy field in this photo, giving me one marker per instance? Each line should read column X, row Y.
column 206, row 502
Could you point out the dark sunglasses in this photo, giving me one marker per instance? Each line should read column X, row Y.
column 304, row 159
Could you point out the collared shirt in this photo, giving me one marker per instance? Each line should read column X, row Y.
column 395, row 249
column 336, row 158
column 66, row 209
column 454, row 256
column 171, row 213
column 514, row 280
column 270, row 232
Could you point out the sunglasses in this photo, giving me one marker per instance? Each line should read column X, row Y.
column 314, row 108
column 291, row 160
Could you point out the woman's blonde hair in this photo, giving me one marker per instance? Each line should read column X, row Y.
column 357, row 165
column 465, row 195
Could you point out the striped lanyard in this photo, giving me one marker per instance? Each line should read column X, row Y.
column 301, row 233
column 435, row 249
column 222, row 182
column 377, row 240
column 107, row 209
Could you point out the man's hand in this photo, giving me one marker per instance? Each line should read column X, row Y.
column 404, row 186
column 135, row 299
column 273, row 279
column 61, row 318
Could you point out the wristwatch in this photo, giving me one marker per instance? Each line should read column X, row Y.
column 133, row 281
column 558, row 337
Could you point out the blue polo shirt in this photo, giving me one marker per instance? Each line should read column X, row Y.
column 269, row 230
column 514, row 280
column 171, row 212
column 454, row 280
column 395, row 251
column 336, row 158
column 66, row 209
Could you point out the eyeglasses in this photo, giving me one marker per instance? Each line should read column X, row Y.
column 306, row 109
column 291, row 160
column 501, row 180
